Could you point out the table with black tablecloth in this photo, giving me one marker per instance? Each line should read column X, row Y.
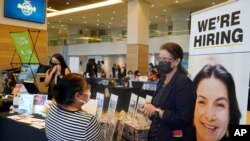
column 11, row 130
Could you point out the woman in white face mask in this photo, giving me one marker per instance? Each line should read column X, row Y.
column 67, row 117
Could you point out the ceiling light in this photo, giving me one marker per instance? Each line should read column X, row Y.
column 85, row 22
column 48, row 23
column 98, row 14
column 111, row 18
column 83, row 17
column 176, row 1
column 108, row 26
column 67, row 3
column 152, row 5
column 97, row 20
column 59, row 21
column 213, row 3
column 124, row 21
column 71, row 19
column 83, row 8
column 97, row 24
column 113, row 12
column 53, row 27
column 156, row 17
column 109, row 22
column 165, row 10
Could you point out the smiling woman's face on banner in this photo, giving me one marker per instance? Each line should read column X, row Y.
column 212, row 110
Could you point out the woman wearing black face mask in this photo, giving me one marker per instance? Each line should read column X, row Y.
column 58, row 68
column 172, row 107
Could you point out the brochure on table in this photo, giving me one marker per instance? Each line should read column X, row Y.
column 132, row 104
column 27, row 104
column 100, row 99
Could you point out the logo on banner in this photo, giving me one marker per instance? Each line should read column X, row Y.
column 220, row 30
column 27, row 8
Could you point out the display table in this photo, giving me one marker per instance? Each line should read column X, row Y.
column 12, row 130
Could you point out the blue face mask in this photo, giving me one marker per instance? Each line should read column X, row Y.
column 164, row 67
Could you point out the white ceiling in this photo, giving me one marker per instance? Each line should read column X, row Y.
column 115, row 16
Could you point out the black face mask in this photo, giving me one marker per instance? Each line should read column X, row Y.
column 164, row 67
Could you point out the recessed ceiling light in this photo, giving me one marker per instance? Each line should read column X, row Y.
column 109, row 22
column 50, row 7
column 71, row 19
column 48, row 23
column 59, row 21
column 62, row 25
column 67, row 3
column 165, row 10
column 85, row 22
column 156, row 17
column 97, row 24
column 53, row 27
column 124, row 21
column 213, row 3
column 114, row 12
column 97, row 20
column 83, row 17
column 152, row 5
column 111, row 18
column 176, row 1
column 98, row 14
column 121, row 25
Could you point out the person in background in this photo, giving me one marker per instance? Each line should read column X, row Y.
column 137, row 75
column 99, row 67
column 216, row 105
column 130, row 75
column 172, row 106
column 103, row 74
column 102, row 65
column 9, row 83
column 119, row 72
column 150, row 68
column 124, row 72
column 57, row 69
column 153, row 76
column 66, row 120
column 114, row 70
column 94, row 66
column 89, row 68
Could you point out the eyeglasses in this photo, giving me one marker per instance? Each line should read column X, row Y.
column 164, row 59
column 84, row 93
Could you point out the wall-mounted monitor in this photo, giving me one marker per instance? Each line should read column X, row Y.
column 28, row 10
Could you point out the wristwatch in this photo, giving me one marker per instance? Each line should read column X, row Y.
column 157, row 112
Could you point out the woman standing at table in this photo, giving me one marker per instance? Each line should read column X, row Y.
column 66, row 120
column 172, row 107
column 58, row 68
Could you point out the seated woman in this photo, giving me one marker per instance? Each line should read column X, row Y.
column 66, row 120
column 9, row 83
column 153, row 76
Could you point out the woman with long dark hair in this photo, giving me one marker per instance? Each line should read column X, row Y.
column 57, row 69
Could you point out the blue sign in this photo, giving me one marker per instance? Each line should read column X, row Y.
column 28, row 10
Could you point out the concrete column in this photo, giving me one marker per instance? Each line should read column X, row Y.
column 138, row 36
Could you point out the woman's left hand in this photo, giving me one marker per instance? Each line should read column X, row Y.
column 148, row 109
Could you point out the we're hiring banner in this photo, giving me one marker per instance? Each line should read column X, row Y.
column 220, row 35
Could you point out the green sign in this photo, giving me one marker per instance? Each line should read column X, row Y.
column 24, row 47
